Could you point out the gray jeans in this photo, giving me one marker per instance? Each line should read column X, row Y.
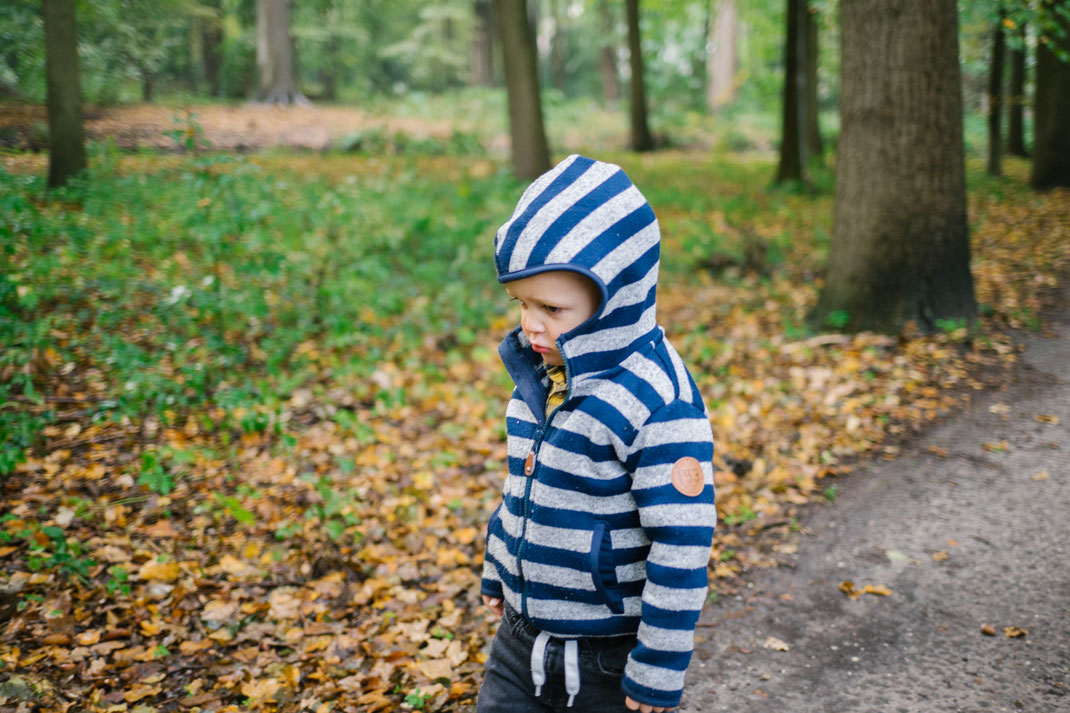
column 508, row 686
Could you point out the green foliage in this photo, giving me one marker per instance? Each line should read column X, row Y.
column 48, row 548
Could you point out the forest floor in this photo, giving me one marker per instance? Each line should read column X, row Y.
column 962, row 542
column 315, row 543
column 224, row 127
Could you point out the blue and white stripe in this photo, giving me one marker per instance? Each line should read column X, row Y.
column 598, row 541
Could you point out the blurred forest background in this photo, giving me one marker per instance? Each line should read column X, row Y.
column 251, row 409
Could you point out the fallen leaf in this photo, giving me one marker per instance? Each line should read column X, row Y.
column 776, row 644
column 164, row 571
column 988, row 630
column 940, row 556
column 999, row 408
column 138, row 691
column 1014, row 632
column 991, row 447
column 1039, row 475
column 937, row 451
column 1048, row 418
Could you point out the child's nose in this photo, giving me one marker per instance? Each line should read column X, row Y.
column 530, row 324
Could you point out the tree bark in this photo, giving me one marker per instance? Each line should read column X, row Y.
column 721, row 55
column 531, row 155
column 275, row 54
column 607, row 59
column 792, row 166
column 995, row 99
column 900, row 247
column 483, row 45
column 814, row 145
column 66, row 136
column 641, row 138
column 211, row 43
column 557, row 47
column 1016, row 99
column 1051, row 138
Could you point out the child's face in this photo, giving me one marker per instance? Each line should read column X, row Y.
column 552, row 303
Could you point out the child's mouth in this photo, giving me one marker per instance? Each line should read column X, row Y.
column 541, row 350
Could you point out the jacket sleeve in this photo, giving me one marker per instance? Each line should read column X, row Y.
column 672, row 484
column 491, row 584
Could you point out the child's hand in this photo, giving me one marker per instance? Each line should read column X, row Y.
column 495, row 605
column 634, row 705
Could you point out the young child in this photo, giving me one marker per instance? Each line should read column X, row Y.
column 597, row 554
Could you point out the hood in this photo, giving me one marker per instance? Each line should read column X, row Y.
column 585, row 216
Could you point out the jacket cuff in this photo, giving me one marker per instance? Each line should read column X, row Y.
column 650, row 696
column 491, row 588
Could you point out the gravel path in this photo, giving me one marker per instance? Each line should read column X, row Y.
column 979, row 538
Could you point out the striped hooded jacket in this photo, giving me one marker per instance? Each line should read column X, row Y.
column 609, row 530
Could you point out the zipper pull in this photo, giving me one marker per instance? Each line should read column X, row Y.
column 529, row 462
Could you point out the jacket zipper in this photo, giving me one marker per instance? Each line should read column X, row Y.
column 530, row 477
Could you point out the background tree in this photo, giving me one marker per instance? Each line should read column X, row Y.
column 814, row 144
column 607, row 53
column 530, row 153
column 900, row 248
column 995, row 96
column 1051, row 139
column 792, row 165
column 640, row 136
column 483, row 44
column 66, row 157
column 210, row 24
column 275, row 54
column 1016, row 96
column 721, row 55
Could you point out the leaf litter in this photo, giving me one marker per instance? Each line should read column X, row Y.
column 340, row 571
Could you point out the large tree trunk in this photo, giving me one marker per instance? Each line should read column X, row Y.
column 900, row 247
column 66, row 137
column 995, row 99
column 211, row 44
column 531, row 156
column 814, row 145
column 483, row 45
column 275, row 54
column 641, row 138
column 607, row 59
column 1051, row 137
column 792, row 166
column 721, row 55
column 1016, row 99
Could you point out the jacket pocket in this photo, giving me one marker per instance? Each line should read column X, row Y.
column 602, row 564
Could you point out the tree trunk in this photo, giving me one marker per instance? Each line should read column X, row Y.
column 66, row 137
column 531, row 156
column 557, row 47
column 1016, row 100
column 483, row 45
column 146, row 84
column 900, row 247
column 211, row 43
column 641, row 138
column 1051, row 138
column 792, row 165
column 607, row 60
column 995, row 98
column 721, row 56
column 275, row 54
column 814, row 145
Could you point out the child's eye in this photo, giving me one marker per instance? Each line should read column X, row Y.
column 551, row 309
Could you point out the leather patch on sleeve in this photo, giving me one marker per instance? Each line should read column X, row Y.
column 687, row 476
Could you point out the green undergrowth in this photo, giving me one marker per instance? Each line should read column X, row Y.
column 217, row 285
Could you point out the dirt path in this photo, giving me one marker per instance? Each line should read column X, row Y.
column 239, row 127
column 979, row 537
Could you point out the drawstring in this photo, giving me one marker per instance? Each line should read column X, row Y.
column 572, row 669
column 538, row 661
column 572, row 666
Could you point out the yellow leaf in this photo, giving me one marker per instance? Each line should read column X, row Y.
column 1014, row 632
column 165, row 571
column 188, row 648
column 1048, row 418
column 138, row 692
column 876, row 589
column 940, row 556
column 88, row 638
column 1040, row 475
column 776, row 644
column 150, row 628
column 436, row 668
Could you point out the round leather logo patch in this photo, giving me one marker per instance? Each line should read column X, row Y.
column 687, row 476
